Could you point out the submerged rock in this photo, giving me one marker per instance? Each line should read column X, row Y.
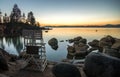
column 66, row 70
column 101, row 65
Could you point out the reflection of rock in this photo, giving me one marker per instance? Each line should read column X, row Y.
column 100, row 65
column 53, row 43
column 66, row 70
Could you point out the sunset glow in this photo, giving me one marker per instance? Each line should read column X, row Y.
column 68, row 12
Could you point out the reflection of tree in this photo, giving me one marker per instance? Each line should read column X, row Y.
column 17, row 42
column 1, row 43
column 8, row 40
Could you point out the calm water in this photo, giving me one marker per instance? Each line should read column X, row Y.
column 15, row 45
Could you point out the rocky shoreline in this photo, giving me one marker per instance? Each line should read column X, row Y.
column 103, row 63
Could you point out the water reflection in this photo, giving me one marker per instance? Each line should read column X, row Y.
column 13, row 45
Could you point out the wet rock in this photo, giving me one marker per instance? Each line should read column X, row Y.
column 116, row 45
column 70, row 49
column 5, row 54
column 84, row 41
column 94, row 43
column 66, row 70
column 71, row 40
column 92, row 49
column 107, row 41
column 77, row 38
column 101, row 65
column 62, row 41
column 2, row 75
column 81, row 50
column 53, row 43
column 13, row 57
column 112, row 52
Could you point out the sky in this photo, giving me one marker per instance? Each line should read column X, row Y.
column 68, row 12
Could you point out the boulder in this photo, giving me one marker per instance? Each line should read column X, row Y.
column 81, row 48
column 92, row 49
column 70, row 49
column 2, row 75
column 116, row 45
column 53, row 43
column 66, row 70
column 112, row 52
column 100, row 65
column 94, row 43
column 3, row 64
column 5, row 54
column 83, row 41
column 71, row 40
column 107, row 41
column 77, row 38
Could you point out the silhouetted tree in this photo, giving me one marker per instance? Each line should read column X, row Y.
column 31, row 18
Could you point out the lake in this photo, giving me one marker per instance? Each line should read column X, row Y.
column 15, row 45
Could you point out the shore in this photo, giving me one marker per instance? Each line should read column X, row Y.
column 16, row 71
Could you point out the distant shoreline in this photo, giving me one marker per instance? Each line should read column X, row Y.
column 83, row 26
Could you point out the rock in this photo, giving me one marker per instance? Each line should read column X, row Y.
column 53, row 43
column 94, row 43
column 70, row 49
column 77, row 38
column 13, row 57
column 92, row 49
column 61, row 40
column 107, row 41
column 112, row 52
column 71, row 40
column 84, row 41
column 116, row 45
column 3, row 64
column 2, row 75
column 81, row 48
column 5, row 54
column 100, row 65
column 66, row 70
